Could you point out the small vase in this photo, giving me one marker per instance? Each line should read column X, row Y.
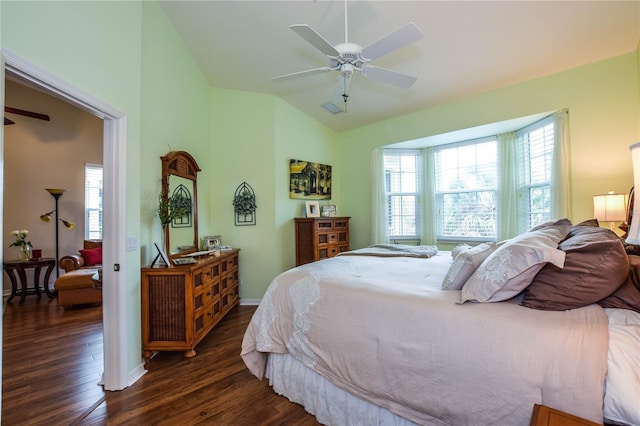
column 25, row 253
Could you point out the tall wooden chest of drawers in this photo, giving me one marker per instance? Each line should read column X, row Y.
column 320, row 238
column 181, row 304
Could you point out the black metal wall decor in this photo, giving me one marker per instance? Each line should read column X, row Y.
column 182, row 202
column 244, row 205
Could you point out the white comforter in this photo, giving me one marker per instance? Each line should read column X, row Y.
column 382, row 329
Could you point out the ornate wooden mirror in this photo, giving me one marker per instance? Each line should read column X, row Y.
column 180, row 184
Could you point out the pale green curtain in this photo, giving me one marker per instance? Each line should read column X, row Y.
column 560, row 183
column 507, row 196
column 428, row 202
column 378, row 198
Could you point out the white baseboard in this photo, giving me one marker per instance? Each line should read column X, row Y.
column 250, row 302
column 135, row 374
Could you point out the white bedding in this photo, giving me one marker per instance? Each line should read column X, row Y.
column 383, row 330
column 622, row 390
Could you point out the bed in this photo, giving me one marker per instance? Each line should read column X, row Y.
column 400, row 336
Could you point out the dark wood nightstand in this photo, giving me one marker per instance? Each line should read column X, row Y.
column 547, row 416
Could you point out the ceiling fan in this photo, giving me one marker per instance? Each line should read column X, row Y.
column 349, row 57
column 23, row 112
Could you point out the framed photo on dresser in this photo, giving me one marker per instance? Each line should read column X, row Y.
column 312, row 208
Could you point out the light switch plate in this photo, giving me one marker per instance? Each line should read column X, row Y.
column 132, row 243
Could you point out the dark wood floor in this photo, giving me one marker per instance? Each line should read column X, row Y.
column 53, row 359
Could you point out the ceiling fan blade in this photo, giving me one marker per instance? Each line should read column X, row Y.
column 7, row 121
column 387, row 76
column 300, row 74
column 309, row 34
column 401, row 37
column 26, row 113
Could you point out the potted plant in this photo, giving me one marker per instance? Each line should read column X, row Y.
column 244, row 203
column 21, row 242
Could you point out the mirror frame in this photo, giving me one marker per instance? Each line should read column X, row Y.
column 182, row 164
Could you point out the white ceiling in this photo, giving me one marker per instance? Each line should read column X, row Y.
column 468, row 47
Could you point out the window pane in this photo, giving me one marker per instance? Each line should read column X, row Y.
column 468, row 214
column 401, row 180
column 93, row 201
column 466, row 181
column 535, row 158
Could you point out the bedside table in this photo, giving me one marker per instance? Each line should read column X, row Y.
column 547, row 416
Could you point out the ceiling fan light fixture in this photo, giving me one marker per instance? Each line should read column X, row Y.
column 332, row 108
column 349, row 57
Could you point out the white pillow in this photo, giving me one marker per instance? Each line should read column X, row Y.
column 512, row 267
column 465, row 264
column 459, row 249
column 622, row 388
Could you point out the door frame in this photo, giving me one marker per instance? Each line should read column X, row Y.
column 116, row 375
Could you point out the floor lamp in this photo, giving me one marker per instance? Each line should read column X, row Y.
column 56, row 193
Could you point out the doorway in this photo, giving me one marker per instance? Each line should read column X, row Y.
column 116, row 375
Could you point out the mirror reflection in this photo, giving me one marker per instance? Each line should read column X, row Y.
column 181, row 228
column 179, row 183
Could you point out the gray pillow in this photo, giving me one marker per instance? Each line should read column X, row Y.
column 512, row 267
column 465, row 264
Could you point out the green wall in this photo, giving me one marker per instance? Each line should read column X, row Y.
column 603, row 104
column 78, row 42
column 253, row 136
column 175, row 117
column 127, row 55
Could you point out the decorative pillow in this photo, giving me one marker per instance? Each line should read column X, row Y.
column 590, row 222
column 595, row 266
column 512, row 267
column 627, row 296
column 92, row 256
column 465, row 264
column 459, row 249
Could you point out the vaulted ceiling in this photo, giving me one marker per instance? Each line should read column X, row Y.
column 468, row 47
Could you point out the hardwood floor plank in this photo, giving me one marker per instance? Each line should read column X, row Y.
column 53, row 359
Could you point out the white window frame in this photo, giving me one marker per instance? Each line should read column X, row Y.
column 93, row 200
column 527, row 218
column 403, row 237
column 440, row 193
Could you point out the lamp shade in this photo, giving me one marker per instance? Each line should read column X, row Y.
column 633, row 237
column 609, row 207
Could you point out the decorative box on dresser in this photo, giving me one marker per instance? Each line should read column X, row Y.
column 319, row 238
column 181, row 304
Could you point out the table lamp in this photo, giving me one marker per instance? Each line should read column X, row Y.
column 633, row 237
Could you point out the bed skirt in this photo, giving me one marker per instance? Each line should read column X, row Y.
column 330, row 404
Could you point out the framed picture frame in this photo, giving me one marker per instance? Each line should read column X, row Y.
column 312, row 208
column 309, row 180
column 329, row 210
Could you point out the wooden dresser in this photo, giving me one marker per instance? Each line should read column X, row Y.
column 181, row 304
column 320, row 238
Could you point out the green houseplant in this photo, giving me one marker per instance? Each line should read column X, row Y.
column 244, row 203
column 170, row 208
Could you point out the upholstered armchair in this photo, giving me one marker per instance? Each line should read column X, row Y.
column 89, row 257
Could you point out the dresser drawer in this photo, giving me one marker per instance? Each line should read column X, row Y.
column 323, row 225
column 206, row 275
